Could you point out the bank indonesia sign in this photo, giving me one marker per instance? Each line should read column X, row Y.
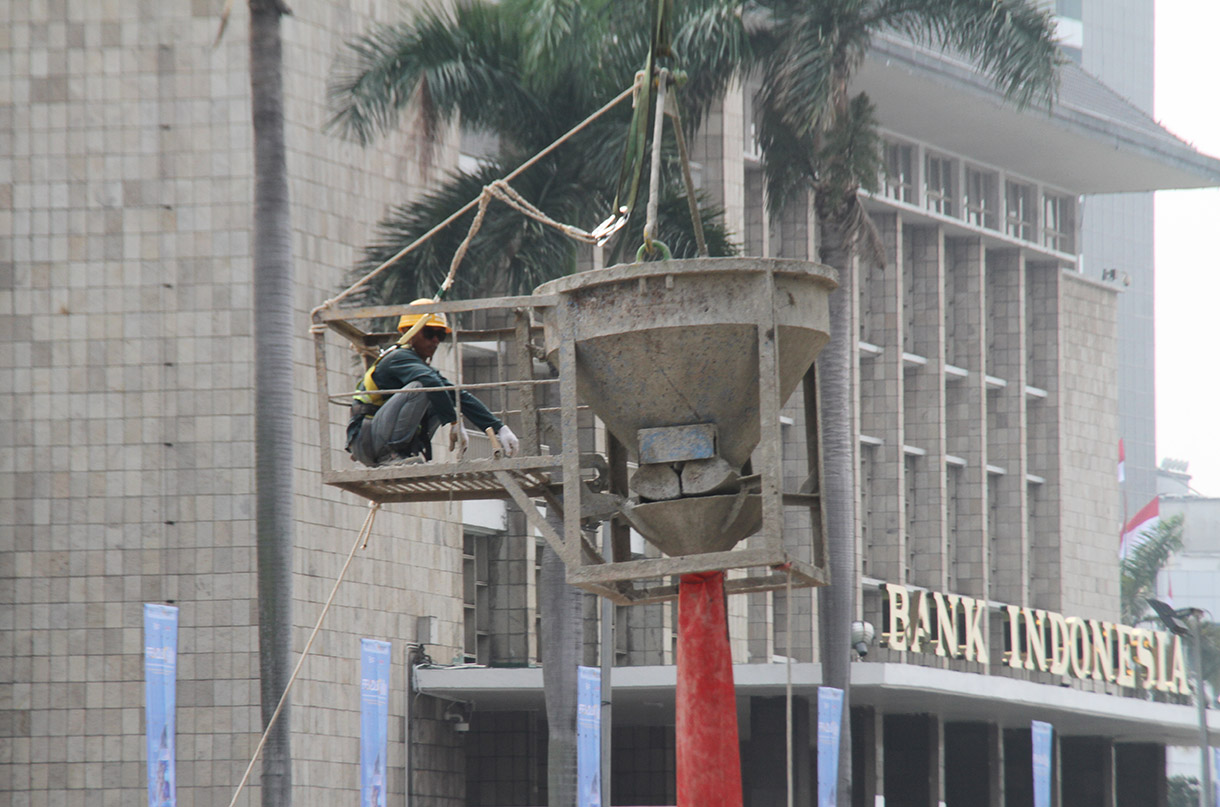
column 955, row 626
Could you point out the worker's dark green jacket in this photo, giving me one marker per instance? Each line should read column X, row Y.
column 400, row 366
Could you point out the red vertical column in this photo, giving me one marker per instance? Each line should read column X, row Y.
column 708, row 757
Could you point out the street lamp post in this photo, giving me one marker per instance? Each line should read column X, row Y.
column 1194, row 625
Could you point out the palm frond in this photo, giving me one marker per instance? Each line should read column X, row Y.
column 711, row 45
column 1012, row 41
column 799, row 76
column 849, row 157
column 1138, row 570
column 465, row 63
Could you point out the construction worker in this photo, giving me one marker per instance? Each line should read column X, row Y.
column 383, row 430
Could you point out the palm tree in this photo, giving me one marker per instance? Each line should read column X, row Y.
column 1138, row 576
column 525, row 71
column 1139, row 569
column 817, row 138
column 273, row 448
column 528, row 71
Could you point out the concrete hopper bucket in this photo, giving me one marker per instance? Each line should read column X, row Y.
column 667, row 355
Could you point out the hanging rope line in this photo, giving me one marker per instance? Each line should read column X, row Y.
column 692, row 201
column 654, row 172
column 788, row 670
column 362, row 542
column 363, row 281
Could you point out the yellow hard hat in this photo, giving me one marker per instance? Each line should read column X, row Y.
column 433, row 321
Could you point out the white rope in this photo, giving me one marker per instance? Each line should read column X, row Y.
column 654, row 173
column 361, row 542
column 500, row 189
column 788, row 669
column 466, row 207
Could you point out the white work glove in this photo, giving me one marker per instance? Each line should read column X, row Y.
column 509, row 441
column 458, row 438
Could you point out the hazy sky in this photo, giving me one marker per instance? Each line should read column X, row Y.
column 1188, row 245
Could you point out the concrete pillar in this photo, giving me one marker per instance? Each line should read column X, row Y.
column 966, row 416
column 924, row 408
column 881, row 407
column 1006, row 427
column 1044, row 421
column 868, row 756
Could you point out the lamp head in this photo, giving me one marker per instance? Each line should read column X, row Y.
column 1169, row 617
column 862, row 635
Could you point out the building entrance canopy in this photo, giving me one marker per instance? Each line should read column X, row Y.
column 645, row 696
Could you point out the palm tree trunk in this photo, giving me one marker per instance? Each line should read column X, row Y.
column 836, row 602
column 562, row 649
column 273, row 447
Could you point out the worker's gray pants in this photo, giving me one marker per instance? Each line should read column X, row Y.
column 402, row 427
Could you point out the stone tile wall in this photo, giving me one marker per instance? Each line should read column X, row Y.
column 125, row 383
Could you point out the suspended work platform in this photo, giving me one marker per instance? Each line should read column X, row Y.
column 665, row 379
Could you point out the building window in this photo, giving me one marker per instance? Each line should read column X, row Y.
column 1021, row 215
column 912, row 497
column 1058, row 222
column 478, row 148
column 751, row 149
column 898, row 182
column 938, row 184
column 539, row 549
column 953, row 481
column 476, row 604
column 867, row 463
column 982, row 198
column 1072, row 9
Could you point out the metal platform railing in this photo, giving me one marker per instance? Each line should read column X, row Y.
column 532, row 343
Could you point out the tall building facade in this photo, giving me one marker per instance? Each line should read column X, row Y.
column 1117, row 237
column 987, row 417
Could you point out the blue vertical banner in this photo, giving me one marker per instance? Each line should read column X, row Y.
column 588, row 737
column 374, row 720
column 1215, row 763
column 160, row 700
column 830, row 728
column 1041, row 735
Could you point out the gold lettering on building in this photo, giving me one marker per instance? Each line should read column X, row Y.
column 1080, row 651
column 955, row 626
column 975, row 613
column 1103, row 650
column 946, row 624
column 1178, row 683
column 922, row 628
column 1142, row 641
column 899, row 617
column 1035, row 639
column 1124, row 676
column 1162, row 677
column 1060, row 651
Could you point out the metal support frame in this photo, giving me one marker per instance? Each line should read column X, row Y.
column 562, row 480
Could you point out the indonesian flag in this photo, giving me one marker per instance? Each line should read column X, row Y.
column 1143, row 521
column 1122, row 463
